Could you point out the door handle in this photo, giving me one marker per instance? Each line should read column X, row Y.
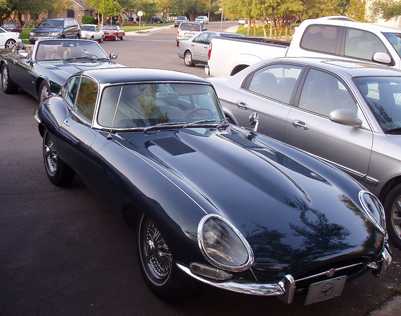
column 242, row 105
column 300, row 125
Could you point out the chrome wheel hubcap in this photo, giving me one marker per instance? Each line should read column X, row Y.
column 156, row 252
column 51, row 157
column 396, row 216
column 5, row 77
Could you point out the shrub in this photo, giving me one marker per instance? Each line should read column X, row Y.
column 86, row 19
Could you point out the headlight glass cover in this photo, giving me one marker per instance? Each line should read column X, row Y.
column 54, row 33
column 374, row 209
column 223, row 245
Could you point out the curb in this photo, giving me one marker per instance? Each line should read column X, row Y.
column 391, row 307
column 146, row 32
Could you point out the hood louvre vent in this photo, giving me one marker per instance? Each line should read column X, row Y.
column 173, row 146
column 241, row 141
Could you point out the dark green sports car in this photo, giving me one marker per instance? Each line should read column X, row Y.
column 44, row 67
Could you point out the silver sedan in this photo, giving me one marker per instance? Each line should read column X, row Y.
column 195, row 50
column 347, row 114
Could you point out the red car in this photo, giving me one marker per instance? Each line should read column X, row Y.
column 113, row 32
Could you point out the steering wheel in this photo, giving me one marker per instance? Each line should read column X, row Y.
column 197, row 109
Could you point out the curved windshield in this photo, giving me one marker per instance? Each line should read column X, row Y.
column 109, row 27
column 383, row 95
column 395, row 41
column 88, row 28
column 146, row 105
column 51, row 24
column 68, row 50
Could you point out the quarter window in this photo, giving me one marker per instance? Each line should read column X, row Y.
column 362, row 44
column 70, row 91
column 276, row 81
column 323, row 93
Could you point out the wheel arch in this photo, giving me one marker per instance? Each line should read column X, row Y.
column 387, row 187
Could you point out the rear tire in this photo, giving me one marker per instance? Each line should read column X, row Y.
column 188, row 60
column 8, row 86
column 392, row 208
column 157, row 264
column 57, row 171
column 43, row 91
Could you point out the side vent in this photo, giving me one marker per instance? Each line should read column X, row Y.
column 173, row 146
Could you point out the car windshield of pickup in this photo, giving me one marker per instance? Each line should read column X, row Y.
column 150, row 104
column 383, row 95
column 395, row 41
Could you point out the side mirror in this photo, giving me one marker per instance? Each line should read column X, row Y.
column 254, row 121
column 382, row 58
column 345, row 117
column 113, row 56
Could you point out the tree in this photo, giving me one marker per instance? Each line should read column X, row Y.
column 386, row 9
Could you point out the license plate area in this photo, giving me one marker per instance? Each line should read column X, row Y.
column 325, row 290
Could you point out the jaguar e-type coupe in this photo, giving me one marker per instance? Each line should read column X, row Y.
column 209, row 201
column 44, row 67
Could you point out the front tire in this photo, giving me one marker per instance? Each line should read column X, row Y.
column 101, row 40
column 392, row 208
column 57, row 171
column 9, row 44
column 122, row 37
column 157, row 264
column 8, row 86
column 188, row 60
column 43, row 91
column 116, row 37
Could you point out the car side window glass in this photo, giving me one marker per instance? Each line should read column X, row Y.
column 86, row 99
column 362, row 44
column 1, row 31
column 323, row 93
column 70, row 91
column 321, row 38
column 276, row 81
column 202, row 38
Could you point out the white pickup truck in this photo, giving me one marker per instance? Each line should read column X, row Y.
column 328, row 37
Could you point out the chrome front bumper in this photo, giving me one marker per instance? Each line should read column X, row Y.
column 285, row 288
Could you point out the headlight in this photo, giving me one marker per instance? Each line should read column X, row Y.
column 31, row 33
column 223, row 245
column 55, row 34
column 374, row 209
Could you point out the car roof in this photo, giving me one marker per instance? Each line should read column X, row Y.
column 351, row 67
column 131, row 75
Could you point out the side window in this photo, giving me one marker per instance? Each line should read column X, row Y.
column 362, row 44
column 202, row 38
column 323, row 93
column 321, row 38
column 86, row 99
column 276, row 81
column 70, row 91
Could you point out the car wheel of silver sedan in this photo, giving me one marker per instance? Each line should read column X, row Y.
column 57, row 171
column 392, row 207
column 8, row 86
column 9, row 44
column 157, row 264
column 188, row 61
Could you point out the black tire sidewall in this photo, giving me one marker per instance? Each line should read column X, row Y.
column 391, row 198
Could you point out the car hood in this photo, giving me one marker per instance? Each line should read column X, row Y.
column 292, row 209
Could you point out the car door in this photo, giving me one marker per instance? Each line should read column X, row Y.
column 200, row 47
column 75, row 133
column 267, row 91
column 310, row 128
column 22, row 72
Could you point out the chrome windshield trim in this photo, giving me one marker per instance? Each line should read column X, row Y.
column 245, row 286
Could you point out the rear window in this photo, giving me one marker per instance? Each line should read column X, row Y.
column 321, row 38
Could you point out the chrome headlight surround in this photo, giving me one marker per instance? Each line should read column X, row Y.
column 54, row 33
column 223, row 245
column 374, row 209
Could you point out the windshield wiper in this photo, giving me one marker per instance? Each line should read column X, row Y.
column 167, row 125
column 395, row 131
column 201, row 122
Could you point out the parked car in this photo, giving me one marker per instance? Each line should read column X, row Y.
column 156, row 19
column 202, row 19
column 8, row 39
column 211, row 202
column 56, row 28
column 195, row 49
column 241, row 21
column 188, row 29
column 44, row 67
column 347, row 114
column 180, row 19
column 113, row 32
column 12, row 27
column 92, row 32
